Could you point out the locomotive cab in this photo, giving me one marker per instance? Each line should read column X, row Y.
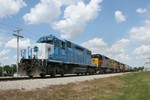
column 34, row 58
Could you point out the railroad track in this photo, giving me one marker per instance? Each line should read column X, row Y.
column 14, row 78
column 27, row 78
column 29, row 84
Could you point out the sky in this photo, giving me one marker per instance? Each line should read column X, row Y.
column 119, row 29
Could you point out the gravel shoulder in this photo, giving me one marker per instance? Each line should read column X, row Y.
column 33, row 84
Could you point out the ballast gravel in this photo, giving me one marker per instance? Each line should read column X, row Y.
column 32, row 84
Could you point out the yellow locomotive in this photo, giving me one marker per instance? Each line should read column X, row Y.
column 107, row 65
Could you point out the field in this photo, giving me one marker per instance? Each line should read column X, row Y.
column 132, row 86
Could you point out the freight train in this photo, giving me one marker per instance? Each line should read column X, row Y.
column 108, row 65
column 52, row 56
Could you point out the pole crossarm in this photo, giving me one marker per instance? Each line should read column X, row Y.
column 16, row 35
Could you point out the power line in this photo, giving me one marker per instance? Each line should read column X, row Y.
column 8, row 25
column 33, row 34
column 6, row 28
column 11, row 27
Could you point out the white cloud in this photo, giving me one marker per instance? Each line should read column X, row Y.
column 122, row 57
column 1, row 44
column 142, row 50
column 44, row 12
column 142, row 53
column 3, row 35
column 76, row 17
column 141, row 10
column 4, row 52
column 15, row 57
column 141, row 33
column 13, row 43
column 117, row 51
column 147, row 22
column 10, row 7
column 119, row 17
column 5, row 58
column 119, row 46
column 96, row 45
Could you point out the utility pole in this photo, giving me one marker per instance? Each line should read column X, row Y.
column 2, row 70
column 12, row 71
column 18, row 37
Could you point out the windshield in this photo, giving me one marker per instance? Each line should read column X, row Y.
column 47, row 40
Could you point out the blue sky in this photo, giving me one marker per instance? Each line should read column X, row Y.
column 119, row 29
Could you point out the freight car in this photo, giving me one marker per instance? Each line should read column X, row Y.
column 108, row 65
column 52, row 56
column 102, row 63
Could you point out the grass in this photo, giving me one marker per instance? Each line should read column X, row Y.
column 134, row 86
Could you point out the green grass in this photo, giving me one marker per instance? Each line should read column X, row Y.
column 132, row 86
column 136, row 86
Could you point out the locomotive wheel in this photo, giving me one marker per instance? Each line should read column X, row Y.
column 30, row 74
column 85, row 73
column 62, row 73
column 53, row 74
column 42, row 75
column 30, row 71
column 82, row 74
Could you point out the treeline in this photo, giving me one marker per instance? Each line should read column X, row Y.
column 138, row 68
column 8, row 70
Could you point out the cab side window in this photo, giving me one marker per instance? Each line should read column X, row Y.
column 56, row 43
column 63, row 45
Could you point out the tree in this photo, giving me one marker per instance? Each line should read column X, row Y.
column 13, row 68
column 140, row 68
column 0, row 71
column 7, row 70
column 135, row 69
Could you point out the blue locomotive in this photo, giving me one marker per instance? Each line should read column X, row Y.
column 52, row 56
